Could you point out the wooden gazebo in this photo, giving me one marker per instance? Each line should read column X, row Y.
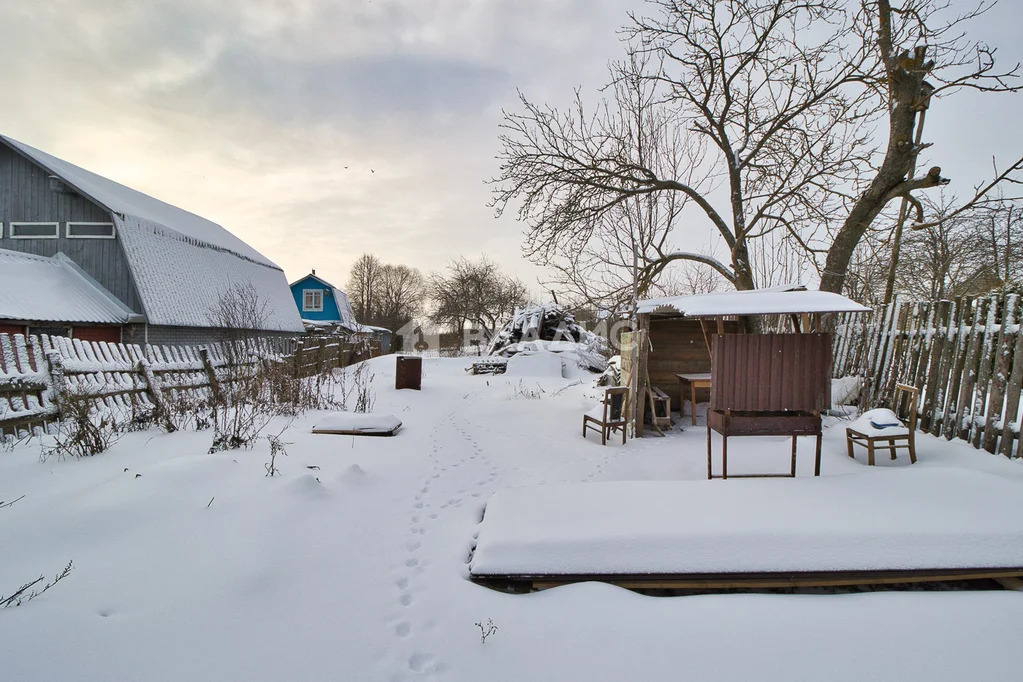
column 762, row 384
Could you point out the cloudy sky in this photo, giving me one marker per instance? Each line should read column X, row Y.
column 318, row 130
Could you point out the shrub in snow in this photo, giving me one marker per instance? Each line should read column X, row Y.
column 486, row 631
column 86, row 427
column 277, row 447
column 28, row 591
column 550, row 327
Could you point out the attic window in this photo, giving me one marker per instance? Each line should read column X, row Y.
column 90, row 231
column 312, row 301
column 34, row 230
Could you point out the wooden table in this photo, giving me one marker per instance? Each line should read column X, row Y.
column 695, row 381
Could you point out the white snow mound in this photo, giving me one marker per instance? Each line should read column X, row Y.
column 535, row 364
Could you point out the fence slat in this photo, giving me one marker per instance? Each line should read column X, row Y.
column 1000, row 371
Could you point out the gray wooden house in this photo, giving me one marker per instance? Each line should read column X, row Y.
column 167, row 268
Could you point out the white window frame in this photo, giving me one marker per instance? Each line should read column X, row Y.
column 317, row 297
column 67, row 231
column 55, row 235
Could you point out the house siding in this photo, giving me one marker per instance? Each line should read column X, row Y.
column 25, row 195
column 186, row 336
column 328, row 314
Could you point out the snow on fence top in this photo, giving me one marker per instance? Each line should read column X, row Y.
column 40, row 288
column 117, row 375
column 793, row 299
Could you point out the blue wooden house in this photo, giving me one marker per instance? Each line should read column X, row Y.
column 320, row 303
column 325, row 307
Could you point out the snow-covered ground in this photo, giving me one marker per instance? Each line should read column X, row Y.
column 356, row 570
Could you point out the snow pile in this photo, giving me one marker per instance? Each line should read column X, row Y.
column 907, row 519
column 846, row 390
column 879, row 422
column 536, row 364
column 551, row 328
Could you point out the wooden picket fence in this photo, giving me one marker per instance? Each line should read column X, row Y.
column 35, row 371
column 965, row 356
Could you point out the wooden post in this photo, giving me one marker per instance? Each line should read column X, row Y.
column 155, row 394
column 57, row 379
column 964, row 408
column 1015, row 387
column 211, row 376
column 321, row 354
column 985, row 365
column 297, row 359
column 1003, row 351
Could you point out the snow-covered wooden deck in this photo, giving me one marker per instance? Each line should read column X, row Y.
column 910, row 525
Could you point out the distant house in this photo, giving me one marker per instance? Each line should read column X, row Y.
column 157, row 272
column 324, row 307
column 320, row 303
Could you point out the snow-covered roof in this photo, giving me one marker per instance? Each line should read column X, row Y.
column 181, row 263
column 38, row 288
column 778, row 300
column 124, row 200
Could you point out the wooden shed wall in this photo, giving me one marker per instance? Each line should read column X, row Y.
column 767, row 372
column 25, row 195
column 678, row 347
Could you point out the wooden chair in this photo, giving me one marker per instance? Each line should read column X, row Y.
column 892, row 438
column 610, row 415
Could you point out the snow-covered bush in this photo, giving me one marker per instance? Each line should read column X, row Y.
column 86, row 427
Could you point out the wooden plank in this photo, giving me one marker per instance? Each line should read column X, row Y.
column 941, row 378
column 942, row 316
column 985, row 362
column 721, row 581
column 1012, row 400
column 961, row 427
column 966, row 309
column 1003, row 353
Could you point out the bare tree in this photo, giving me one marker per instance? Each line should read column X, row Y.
column 475, row 293
column 752, row 94
column 363, row 282
column 239, row 310
column 399, row 296
column 920, row 58
column 778, row 100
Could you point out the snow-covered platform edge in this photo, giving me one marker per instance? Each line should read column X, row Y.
column 358, row 424
column 913, row 520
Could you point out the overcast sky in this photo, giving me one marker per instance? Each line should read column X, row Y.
column 321, row 130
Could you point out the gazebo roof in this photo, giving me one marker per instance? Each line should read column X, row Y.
column 784, row 300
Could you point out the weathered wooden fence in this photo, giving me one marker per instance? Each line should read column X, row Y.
column 36, row 371
column 965, row 356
